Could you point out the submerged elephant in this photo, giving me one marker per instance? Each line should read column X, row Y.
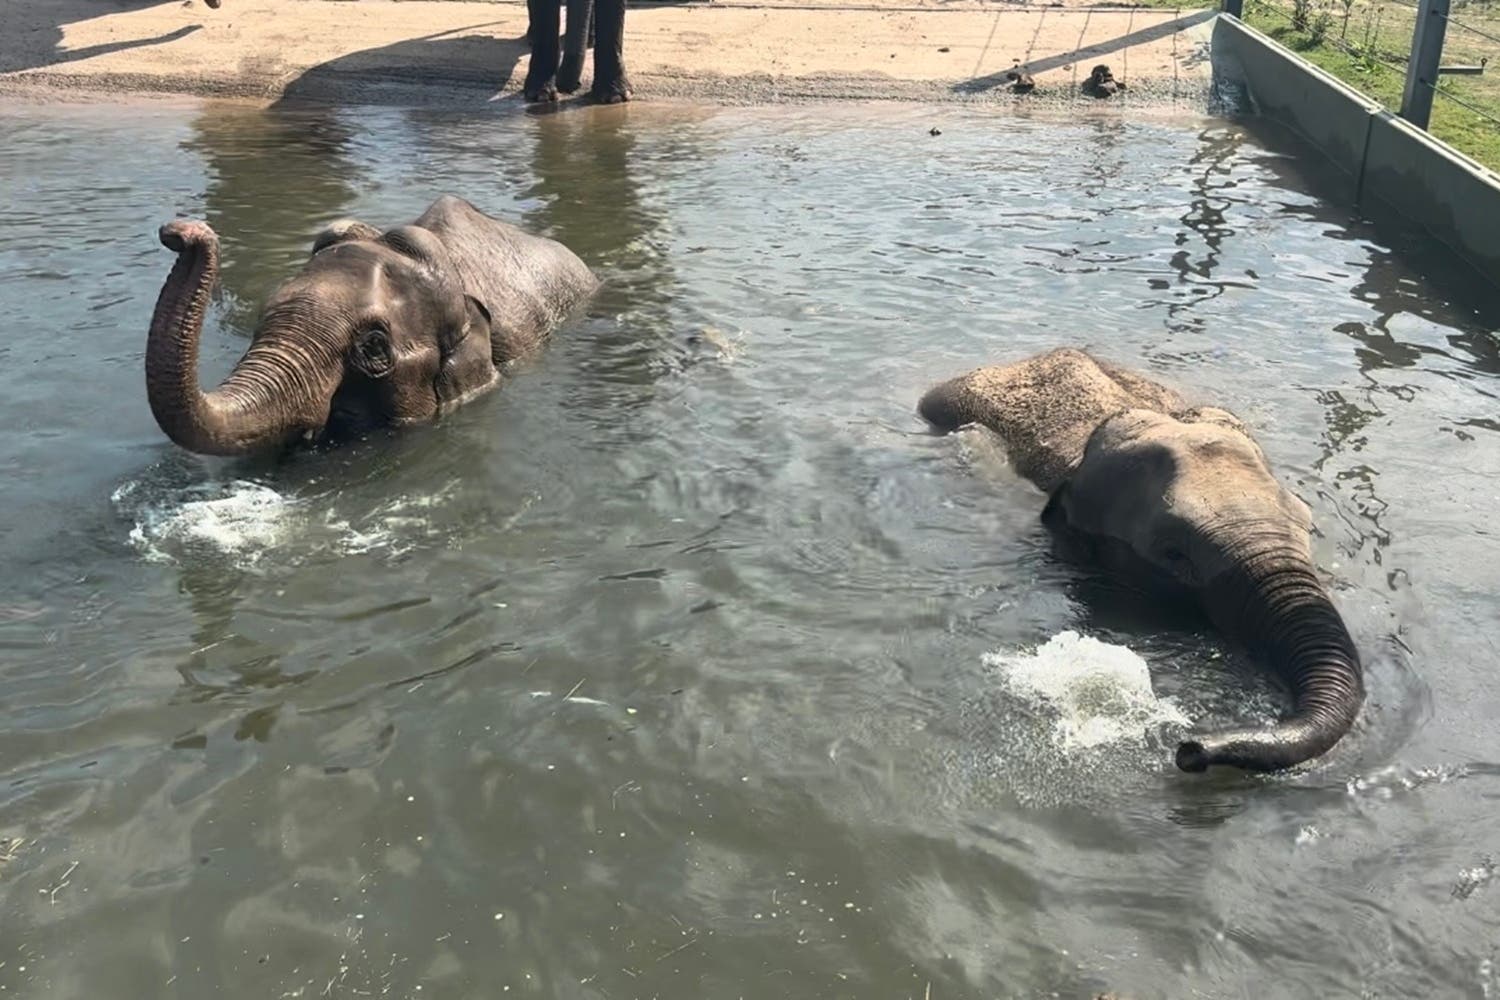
column 552, row 71
column 1181, row 497
column 376, row 329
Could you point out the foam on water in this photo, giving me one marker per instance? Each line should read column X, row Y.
column 243, row 521
column 237, row 518
column 1100, row 694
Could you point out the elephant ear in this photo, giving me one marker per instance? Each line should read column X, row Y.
column 1055, row 514
column 480, row 320
column 476, row 324
column 342, row 231
column 1120, row 480
column 1069, row 542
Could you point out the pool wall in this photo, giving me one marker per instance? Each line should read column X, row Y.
column 1387, row 163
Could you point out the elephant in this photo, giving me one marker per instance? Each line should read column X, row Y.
column 551, row 72
column 1181, row 498
column 376, row 329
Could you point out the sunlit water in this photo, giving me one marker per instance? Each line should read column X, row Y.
column 688, row 664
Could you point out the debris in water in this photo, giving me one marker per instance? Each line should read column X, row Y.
column 1470, row 879
column 1307, row 835
column 9, row 848
column 715, row 338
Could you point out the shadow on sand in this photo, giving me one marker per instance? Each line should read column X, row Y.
column 471, row 68
column 41, row 25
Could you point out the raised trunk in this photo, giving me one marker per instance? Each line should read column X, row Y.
column 1284, row 615
column 264, row 401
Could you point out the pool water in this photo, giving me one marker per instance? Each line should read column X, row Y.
column 689, row 664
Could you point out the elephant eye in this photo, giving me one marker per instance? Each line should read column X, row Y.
column 1174, row 555
column 372, row 354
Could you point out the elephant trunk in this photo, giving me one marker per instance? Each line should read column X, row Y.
column 1283, row 614
column 274, row 393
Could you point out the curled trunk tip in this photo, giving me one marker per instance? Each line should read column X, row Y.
column 1250, row 750
column 1274, row 748
column 179, row 234
column 1192, row 756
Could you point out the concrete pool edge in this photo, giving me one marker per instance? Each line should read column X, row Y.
column 1385, row 164
column 1189, row 95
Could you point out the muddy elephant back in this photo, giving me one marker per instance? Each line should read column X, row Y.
column 1143, row 393
column 1045, row 407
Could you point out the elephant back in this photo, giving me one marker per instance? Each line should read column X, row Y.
column 528, row 283
column 1045, row 408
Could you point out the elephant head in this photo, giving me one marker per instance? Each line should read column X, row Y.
column 376, row 329
column 1189, row 501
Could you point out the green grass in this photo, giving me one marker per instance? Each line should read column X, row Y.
column 1368, row 51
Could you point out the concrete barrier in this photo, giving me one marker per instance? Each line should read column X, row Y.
column 1329, row 115
column 1386, row 163
column 1428, row 182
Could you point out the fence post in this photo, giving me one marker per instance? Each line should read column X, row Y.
column 1426, row 55
column 1235, row 7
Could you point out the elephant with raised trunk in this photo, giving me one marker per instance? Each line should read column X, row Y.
column 1180, row 497
column 377, row 329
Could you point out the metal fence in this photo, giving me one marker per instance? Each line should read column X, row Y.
column 1407, row 54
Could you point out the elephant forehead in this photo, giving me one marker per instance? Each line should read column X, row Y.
column 360, row 276
column 1190, row 444
column 1219, row 480
column 1219, row 451
column 1190, row 464
column 363, row 256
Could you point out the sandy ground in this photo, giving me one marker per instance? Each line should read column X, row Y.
column 449, row 51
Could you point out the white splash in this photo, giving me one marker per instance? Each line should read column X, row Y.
column 1308, row 835
column 238, row 518
column 1100, row 693
column 244, row 520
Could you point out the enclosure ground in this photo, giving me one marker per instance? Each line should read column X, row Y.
column 440, row 50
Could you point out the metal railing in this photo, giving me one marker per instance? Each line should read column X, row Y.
column 1424, row 69
column 1433, row 27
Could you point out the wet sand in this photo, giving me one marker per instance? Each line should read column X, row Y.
column 450, row 52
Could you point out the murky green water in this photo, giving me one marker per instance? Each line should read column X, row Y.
column 663, row 671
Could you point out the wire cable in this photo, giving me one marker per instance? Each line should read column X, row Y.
column 1463, row 103
column 1370, row 54
column 1469, row 27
